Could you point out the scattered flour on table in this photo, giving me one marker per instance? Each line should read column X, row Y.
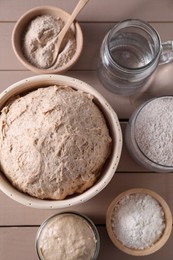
column 39, row 42
column 138, row 221
column 154, row 130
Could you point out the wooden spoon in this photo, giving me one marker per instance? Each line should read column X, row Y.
column 64, row 30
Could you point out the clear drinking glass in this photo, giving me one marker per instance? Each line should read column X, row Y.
column 130, row 53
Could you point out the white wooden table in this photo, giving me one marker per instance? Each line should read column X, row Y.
column 19, row 224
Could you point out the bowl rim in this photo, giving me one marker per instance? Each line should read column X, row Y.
column 35, row 82
column 25, row 62
column 168, row 223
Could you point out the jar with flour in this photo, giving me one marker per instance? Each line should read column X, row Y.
column 149, row 134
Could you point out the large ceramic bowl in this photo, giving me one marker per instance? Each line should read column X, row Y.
column 23, row 22
column 111, row 164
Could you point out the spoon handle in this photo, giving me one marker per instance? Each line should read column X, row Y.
column 72, row 17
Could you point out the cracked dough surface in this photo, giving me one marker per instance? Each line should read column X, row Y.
column 53, row 142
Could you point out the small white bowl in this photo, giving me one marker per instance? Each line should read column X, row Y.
column 21, row 26
column 108, row 170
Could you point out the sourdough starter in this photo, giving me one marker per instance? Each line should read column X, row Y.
column 67, row 237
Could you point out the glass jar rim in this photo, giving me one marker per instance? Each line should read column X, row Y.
column 140, row 24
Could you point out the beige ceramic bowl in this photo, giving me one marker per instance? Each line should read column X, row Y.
column 163, row 238
column 109, row 169
column 22, row 24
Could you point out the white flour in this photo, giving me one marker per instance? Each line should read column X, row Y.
column 138, row 221
column 39, row 42
column 154, row 130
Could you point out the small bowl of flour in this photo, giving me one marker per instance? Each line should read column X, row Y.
column 34, row 39
column 139, row 222
column 149, row 134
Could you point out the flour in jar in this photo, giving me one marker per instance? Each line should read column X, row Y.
column 138, row 221
column 39, row 42
column 154, row 130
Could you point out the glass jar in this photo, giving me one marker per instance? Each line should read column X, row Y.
column 129, row 55
column 149, row 134
column 67, row 234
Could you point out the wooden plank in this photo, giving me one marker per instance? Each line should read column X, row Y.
column 96, row 10
column 93, row 37
column 124, row 106
column 19, row 243
column 13, row 213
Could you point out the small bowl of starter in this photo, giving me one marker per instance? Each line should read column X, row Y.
column 67, row 235
column 34, row 38
column 139, row 222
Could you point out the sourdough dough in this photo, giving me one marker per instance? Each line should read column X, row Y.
column 53, row 142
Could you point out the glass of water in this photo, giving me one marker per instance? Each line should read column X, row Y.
column 130, row 53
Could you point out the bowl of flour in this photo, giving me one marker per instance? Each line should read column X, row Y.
column 34, row 39
column 139, row 222
column 149, row 134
